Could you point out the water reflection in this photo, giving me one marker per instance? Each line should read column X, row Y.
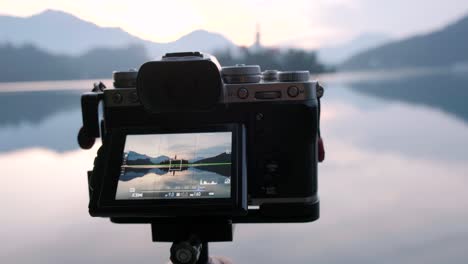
column 393, row 190
column 398, row 128
column 48, row 119
column 152, row 181
column 444, row 91
column 19, row 108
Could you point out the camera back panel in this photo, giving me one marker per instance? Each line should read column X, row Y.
column 273, row 118
column 280, row 138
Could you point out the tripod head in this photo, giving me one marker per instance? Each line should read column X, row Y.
column 189, row 251
column 190, row 237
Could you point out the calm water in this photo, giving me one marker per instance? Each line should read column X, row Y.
column 152, row 181
column 393, row 188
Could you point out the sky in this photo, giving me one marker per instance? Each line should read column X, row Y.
column 185, row 146
column 302, row 23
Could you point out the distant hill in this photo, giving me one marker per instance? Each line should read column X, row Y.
column 28, row 63
column 135, row 158
column 337, row 54
column 58, row 32
column 159, row 159
column 196, row 159
column 221, row 158
column 132, row 155
column 441, row 48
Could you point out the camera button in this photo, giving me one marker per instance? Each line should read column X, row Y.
column 133, row 97
column 293, row 91
column 242, row 93
column 117, row 98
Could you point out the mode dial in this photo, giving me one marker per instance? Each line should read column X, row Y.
column 125, row 79
column 294, row 76
column 241, row 73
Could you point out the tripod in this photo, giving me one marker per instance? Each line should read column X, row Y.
column 190, row 237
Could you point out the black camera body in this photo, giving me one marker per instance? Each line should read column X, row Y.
column 185, row 138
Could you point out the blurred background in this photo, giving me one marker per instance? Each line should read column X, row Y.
column 394, row 120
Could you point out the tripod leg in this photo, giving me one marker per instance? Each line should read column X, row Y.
column 204, row 254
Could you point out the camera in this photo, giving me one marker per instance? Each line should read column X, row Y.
column 184, row 138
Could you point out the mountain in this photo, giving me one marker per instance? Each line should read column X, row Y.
column 196, row 159
column 159, row 159
column 28, row 63
column 339, row 53
column 442, row 48
column 199, row 40
column 135, row 156
column 221, row 158
column 58, row 32
column 61, row 33
column 224, row 170
column 132, row 155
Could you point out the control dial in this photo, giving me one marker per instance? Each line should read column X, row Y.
column 241, row 73
column 125, row 79
column 294, row 76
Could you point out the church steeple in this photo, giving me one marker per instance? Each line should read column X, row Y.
column 257, row 37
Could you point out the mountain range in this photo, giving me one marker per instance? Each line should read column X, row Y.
column 221, row 158
column 135, row 157
column 67, row 47
column 62, row 33
column 337, row 54
column 28, row 63
column 446, row 47
column 58, row 32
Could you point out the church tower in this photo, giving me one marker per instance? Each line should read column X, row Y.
column 257, row 36
column 257, row 45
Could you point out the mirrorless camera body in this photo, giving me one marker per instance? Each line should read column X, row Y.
column 184, row 138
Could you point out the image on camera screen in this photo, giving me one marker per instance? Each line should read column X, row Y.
column 176, row 166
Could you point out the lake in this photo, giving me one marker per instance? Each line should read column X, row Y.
column 161, row 183
column 393, row 187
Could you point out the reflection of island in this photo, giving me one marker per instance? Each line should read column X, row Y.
column 151, row 184
column 46, row 119
column 34, row 107
column 447, row 92
column 139, row 165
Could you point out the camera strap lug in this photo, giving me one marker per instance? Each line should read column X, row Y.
column 89, row 108
column 320, row 145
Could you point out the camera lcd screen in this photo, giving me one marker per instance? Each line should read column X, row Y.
column 176, row 166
